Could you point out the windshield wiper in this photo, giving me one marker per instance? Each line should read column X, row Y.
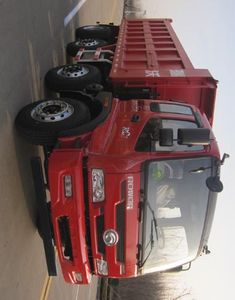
column 154, row 220
column 151, row 243
column 154, row 226
column 199, row 170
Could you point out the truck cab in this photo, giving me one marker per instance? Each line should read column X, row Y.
column 147, row 205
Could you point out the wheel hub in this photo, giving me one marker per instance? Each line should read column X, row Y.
column 86, row 42
column 73, row 71
column 52, row 111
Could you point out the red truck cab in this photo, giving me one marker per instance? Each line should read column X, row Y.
column 136, row 192
column 124, row 182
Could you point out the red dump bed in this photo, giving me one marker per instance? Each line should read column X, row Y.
column 149, row 55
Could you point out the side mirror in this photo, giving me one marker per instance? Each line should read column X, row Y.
column 225, row 156
column 214, row 184
column 194, row 136
column 166, row 137
column 186, row 136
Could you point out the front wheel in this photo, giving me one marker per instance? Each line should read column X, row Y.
column 73, row 77
column 41, row 122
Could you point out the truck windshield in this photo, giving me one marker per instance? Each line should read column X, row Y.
column 177, row 194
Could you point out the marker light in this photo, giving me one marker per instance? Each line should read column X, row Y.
column 68, row 186
column 77, row 276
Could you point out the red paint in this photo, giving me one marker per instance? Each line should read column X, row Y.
column 144, row 47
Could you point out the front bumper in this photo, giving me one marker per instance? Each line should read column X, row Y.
column 75, row 265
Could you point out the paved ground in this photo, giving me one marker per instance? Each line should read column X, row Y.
column 33, row 37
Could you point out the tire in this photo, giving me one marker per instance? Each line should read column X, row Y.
column 94, row 31
column 41, row 122
column 63, row 78
column 88, row 44
column 94, row 89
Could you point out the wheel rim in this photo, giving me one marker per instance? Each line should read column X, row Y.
column 86, row 42
column 73, row 71
column 52, row 111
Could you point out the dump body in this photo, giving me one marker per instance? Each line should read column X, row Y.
column 149, row 55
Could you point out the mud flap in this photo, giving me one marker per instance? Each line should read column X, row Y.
column 44, row 217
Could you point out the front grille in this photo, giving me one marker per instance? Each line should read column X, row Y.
column 120, row 225
column 65, row 238
column 100, row 230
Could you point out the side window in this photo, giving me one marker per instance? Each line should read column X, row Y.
column 148, row 140
column 150, row 132
column 171, row 108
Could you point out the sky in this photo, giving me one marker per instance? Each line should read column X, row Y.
column 207, row 31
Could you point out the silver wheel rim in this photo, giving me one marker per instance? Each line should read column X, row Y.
column 52, row 111
column 86, row 42
column 73, row 71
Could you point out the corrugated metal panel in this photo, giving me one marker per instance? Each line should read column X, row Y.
column 148, row 45
column 149, row 54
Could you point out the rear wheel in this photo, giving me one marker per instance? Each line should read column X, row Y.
column 94, row 88
column 88, row 44
column 94, row 31
column 72, row 77
column 41, row 122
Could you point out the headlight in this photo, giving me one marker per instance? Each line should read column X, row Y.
column 68, row 191
column 102, row 267
column 98, row 185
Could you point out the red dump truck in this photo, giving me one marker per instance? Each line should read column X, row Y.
column 131, row 164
